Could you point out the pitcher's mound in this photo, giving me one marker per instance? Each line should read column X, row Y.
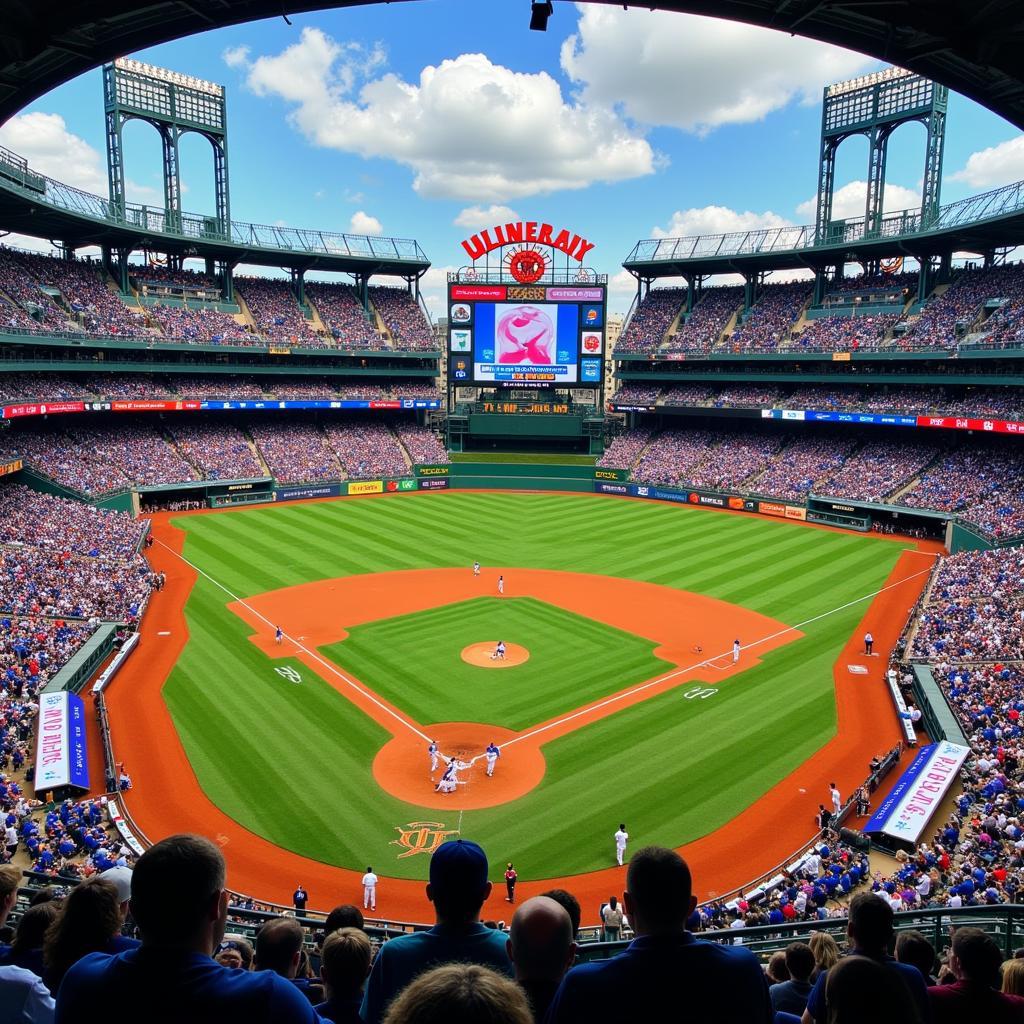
column 480, row 655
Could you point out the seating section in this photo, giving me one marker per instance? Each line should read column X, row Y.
column 276, row 312
column 709, row 317
column 403, row 318
column 218, row 450
column 366, row 449
column 343, row 316
column 844, row 333
column 651, row 319
column 770, row 318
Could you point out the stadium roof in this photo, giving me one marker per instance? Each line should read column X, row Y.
column 975, row 48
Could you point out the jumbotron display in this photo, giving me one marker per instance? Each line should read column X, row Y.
column 530, row 336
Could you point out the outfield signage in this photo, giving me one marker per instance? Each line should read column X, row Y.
column 298, row 493
column 60, row 742
column 434, row 483
column 13, row 466
column 919, row 791
column 881, row 419
column 435, row 470
column 611, row 474
column 201, row 405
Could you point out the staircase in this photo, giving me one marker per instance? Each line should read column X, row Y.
column 255, row 449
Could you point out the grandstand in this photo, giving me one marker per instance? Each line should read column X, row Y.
column 881, row 395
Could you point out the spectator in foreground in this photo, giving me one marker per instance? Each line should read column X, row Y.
column 458, row 888
column 179, row 904
column 10, row 876
column 344, row 965
column 541, row 947
column 861, row 989
column 279, row 949
column 665, row 965
column 347, row 915
column 570, row 903
column 913, row 948
column 460, row 994
column 791, row 996
column 975, row 960
column 24, row 999
column 826, row 953
column 27, row 949
column 869, row 930
column 1013, row 977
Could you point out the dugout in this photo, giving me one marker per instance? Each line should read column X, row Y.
column 913, row 522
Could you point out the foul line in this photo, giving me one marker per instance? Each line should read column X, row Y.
column 717, row 657
column 312, row 654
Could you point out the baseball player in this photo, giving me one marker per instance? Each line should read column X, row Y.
column 476, row 568
column 837, row 801
column 450, row 779
column 869, row 643
column 369, row 890
column 621, row 838
column 492, row 754
column 501, row 584
column 435, row 752
column 735, row 651
column 278, row 635
column 499, row 652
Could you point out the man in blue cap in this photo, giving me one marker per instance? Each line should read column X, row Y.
column 458, row 888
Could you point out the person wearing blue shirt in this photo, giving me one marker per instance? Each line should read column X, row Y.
column 665, row 972
column 180, row 905
column 869, row 929
column 458, row 888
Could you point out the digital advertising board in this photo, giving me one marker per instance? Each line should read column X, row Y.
column 534, row 336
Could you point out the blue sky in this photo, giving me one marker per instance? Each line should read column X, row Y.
column 436, row 118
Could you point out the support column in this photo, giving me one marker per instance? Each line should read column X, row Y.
column 228, row 281
column 172, row 178
column 826, row 186
column 878, row 143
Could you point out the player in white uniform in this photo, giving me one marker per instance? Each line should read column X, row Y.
column 492, row 754
column 499, row 652
column 621, row 838
column 476, row 568
column 501, row 584
column 434, row 751
column 735, row 651
column 369, row 890
column 449, row 780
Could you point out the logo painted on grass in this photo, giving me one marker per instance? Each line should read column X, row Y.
column 421, row 837
column 287, row 672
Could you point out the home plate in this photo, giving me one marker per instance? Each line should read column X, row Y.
column 164, row 632
column 858, row 670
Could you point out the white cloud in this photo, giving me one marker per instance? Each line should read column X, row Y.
column 473, row 217
column 363, row 224
column 848, row 201
column 997, row 165
column 696, row 73
column 468, row 128
column 44, row 140
column 715, row 220
column 622, row 283
column 236, row 56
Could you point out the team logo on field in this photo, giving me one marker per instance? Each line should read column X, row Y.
column 289, row 673
column 421, row 837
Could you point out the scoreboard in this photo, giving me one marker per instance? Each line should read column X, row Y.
column 527, row 336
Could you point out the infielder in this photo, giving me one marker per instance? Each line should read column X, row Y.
column 369, row 890
column 499, row 652
column 492, row 754
column 278, row 635
column 735, row 651
column 621, row 838
column 869, row 643
column 434, row 751
column 448, row 781
column 476, row 568
column 501, row 584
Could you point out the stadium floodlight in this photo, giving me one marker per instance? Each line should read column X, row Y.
column 539, row 14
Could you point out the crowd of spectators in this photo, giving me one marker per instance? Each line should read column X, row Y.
column 797, row 470
column 878, row 470
column 295, row 450
column 674, row 455
column 625, row 448
column 735, row 460
column 422, row 444
column 32, row 650
column 219, row 451
column 770, row 319
column 876, row 289
column 707, row 320
column 651, row 319
column 844, row 333
column 404, row 319
column 202, row 325
column 138, row 449
column 343, row 315
column 32, row 309
column 945, row 318
column 365, row 448
column 633, row 393
column 276, row 313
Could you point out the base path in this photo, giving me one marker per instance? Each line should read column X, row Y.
column 167, row 797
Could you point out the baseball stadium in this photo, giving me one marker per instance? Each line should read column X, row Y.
column 364, row 561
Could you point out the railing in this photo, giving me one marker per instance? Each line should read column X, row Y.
column 999, row 202
column 206, row 228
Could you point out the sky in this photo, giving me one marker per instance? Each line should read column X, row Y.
column 434, row 119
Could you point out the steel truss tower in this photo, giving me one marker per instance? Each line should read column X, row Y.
column 174, row 105
column 875, row 106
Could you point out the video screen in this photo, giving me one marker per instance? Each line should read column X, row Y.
column 526, row 341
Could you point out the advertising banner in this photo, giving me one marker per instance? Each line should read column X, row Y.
column 478, row 292
column 605, row 488
column 393, row 486
column 441, row 470
column 611, row 474
column 297, row 493
column 796, row 512
column 366, row 487
column 190, row 404
column 10, row 412
column 434, row 484
column 965, row 423
column 919, row 791
column 575, row 294
column 10, row 467
column 60, row 743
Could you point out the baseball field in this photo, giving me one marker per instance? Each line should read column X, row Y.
column 307, row 757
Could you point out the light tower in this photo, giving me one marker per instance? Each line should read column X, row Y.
column 876, row 105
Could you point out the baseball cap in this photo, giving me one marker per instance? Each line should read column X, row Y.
column 459, row 864
column 122, row 879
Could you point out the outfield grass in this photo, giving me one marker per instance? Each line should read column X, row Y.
column 414, row 661
column 293, row 763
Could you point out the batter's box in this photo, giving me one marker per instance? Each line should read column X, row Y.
column 857, row 670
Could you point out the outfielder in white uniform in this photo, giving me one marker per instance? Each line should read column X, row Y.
column 621, row 838
column 735, row 651
column 476, row 568
column 434, row 751
column 369, row 890
column 492, row 754
column 501, row 584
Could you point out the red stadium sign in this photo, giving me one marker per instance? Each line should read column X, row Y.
column 531, row 232
column 157, row 405
column 40, row 409
column 965, row 423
